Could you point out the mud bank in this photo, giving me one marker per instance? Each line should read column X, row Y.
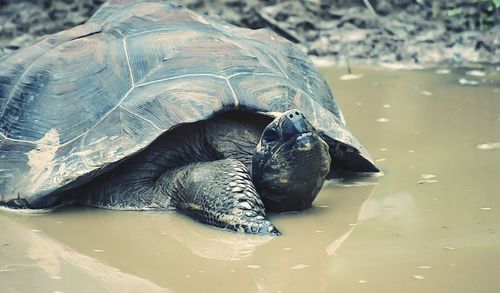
column 421, row 32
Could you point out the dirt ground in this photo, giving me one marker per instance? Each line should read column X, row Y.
column 412, row 32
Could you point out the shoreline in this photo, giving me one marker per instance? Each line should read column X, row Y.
column 326, row 61
column 410, row 33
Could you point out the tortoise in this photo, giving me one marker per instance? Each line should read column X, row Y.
column 151, row 106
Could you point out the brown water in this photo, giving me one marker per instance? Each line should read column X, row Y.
column 431, row 224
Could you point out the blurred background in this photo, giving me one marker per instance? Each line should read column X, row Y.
column 457, row 32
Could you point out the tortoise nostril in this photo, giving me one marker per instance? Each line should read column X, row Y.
column 291, row 116
column 297, row 113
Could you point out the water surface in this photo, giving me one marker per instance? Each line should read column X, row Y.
column 431, row 224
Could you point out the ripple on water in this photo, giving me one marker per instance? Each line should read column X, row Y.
column 443, row 71
column 477, row 73
column 427, row 181
column 465, row 81
column 351, row 76
column 299, row 267
column 427, row 178
column 488, row 146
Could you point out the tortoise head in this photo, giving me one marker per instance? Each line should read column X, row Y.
column 290, row 163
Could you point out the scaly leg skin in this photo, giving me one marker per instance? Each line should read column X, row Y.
column 218, row 193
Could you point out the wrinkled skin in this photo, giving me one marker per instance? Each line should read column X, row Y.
column 203, row 170
column 290, row 163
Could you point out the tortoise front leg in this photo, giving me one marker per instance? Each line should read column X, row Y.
column 218, row 193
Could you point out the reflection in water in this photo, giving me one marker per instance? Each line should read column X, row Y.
column 353, row 181
column 169, row 249
column 36, row 251
column 388, row 234
column 335, row 245
column 390, row 208
column 216, row 244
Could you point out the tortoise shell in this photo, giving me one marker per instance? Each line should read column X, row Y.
column 80, row 100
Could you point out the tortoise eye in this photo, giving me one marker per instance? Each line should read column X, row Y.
column 271, row 135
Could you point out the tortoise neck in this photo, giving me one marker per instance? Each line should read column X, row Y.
column 235, row 135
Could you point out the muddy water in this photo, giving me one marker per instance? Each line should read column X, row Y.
column 431, row 224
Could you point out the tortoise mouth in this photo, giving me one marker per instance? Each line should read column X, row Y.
column 305, row 141
column 302, row 142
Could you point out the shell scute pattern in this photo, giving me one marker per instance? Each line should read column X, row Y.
column 132, row 72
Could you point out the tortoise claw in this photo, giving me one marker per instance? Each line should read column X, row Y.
column 263, row 227
column 17, row 203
